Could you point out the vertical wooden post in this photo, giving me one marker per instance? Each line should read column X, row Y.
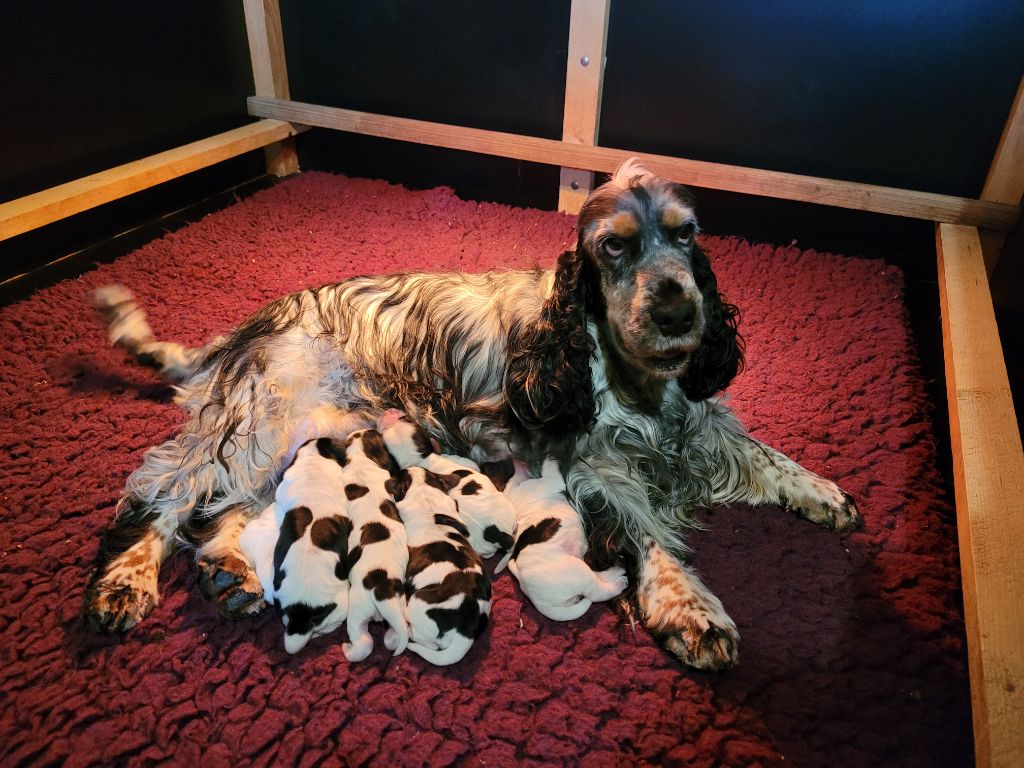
column 584, row 78
column 1005, row 180
column 270, row 74
column 988, row 475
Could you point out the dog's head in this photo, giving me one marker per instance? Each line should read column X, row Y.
column 637, row 236
column 639, row 273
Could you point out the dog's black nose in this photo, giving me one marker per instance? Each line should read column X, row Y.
column 674, row 316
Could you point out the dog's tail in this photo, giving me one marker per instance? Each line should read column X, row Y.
column 128, row 330
column 567, row 590
column 443, row 657
column 392, row 610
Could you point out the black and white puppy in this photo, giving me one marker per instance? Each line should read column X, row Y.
column 377, row 549
column 486, row 513
column 448, row 590
column 547, row 558
column 299, row 545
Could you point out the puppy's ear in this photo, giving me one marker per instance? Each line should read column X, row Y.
column 547, row 379
column 398, row 485
column 720, row 355
column 499, row 472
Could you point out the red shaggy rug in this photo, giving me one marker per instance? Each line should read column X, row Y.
column 852, row 649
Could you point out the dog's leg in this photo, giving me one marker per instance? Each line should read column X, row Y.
column 683, row 614
column 747, row 470
column 225, row 574
column 123, row 588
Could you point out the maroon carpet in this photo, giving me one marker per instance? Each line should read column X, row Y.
column 851, row 652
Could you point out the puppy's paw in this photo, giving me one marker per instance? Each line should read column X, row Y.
column 231, row 583
column 358, row 650
column 114, row 604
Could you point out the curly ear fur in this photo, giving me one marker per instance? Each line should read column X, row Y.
column 720, row 355
column 547, row 378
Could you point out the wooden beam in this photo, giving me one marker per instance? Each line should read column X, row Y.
column 1005, row 180
column 59, row 202
column 989, row 484
column 270, row 74
column 751, row 181
column 584, row 79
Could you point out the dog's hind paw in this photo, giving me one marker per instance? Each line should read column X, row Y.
column 112, row 605
column 232, row 585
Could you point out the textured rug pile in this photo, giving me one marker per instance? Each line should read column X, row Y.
column 851, row 651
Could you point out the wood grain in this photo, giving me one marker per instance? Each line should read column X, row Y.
column 752, row 181
column 989, row 483
column 59, row 202
column 581, row 113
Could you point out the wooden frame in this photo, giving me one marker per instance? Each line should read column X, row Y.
column 988, row 459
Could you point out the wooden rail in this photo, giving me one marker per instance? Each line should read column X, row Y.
column 751, row 181
column 59, row 202
column 989, row 484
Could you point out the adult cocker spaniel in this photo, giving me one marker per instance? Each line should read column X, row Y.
column 611, row 362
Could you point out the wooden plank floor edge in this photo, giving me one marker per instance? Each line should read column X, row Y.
column 49, row 205
column 989, row 484
column 776, row 184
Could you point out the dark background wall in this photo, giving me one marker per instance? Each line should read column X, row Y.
column 911, row 93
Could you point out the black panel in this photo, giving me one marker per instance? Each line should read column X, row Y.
column 907, row 93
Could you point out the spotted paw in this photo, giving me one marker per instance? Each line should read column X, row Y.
column 231, row 583
column 113, row 605
column 703, row 645
column 830, row 506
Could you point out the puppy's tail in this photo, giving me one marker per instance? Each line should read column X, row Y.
column 128, row 330
column 458, row 648
column 392, row 611
column 565, row 590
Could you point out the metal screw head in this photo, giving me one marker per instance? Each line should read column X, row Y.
column 575, row 185
column 585, row 61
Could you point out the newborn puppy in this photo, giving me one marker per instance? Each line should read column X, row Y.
column 547, row 558
column 486, row 512
column 299, row 545
column 448, row 590
column 377, row 550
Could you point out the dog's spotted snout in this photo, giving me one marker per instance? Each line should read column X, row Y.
column 674, row 313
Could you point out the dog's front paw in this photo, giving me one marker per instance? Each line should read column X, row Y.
column 232, row 584
column 114, row 604
column 824, row 503
column 699, row 642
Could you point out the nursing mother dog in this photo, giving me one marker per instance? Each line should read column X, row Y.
column 611, row 361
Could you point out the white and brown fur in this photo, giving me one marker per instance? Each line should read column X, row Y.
column 299, row 545
column 377, row 548
column 547, row 559
column 486, row 512
column 447, row 589
column 612, row 361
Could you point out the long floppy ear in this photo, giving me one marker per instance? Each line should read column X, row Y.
column 720, row 355
column 547, row 378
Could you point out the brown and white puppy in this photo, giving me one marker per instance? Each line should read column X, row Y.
column 299, row 545
column 483, row 508
column 377, row 549
column 447, row 588
column 547, row 559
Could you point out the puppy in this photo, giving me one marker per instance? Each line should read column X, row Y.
column 547, row 558
column 299, row 545
column 484, row 510
column 448, row 590
column 377, row 548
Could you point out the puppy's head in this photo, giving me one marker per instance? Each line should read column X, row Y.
column 407, row 442
column 368, row 445
column 660, row 298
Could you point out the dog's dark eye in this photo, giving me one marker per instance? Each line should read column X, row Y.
column 614, row 246
column 684, row 234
